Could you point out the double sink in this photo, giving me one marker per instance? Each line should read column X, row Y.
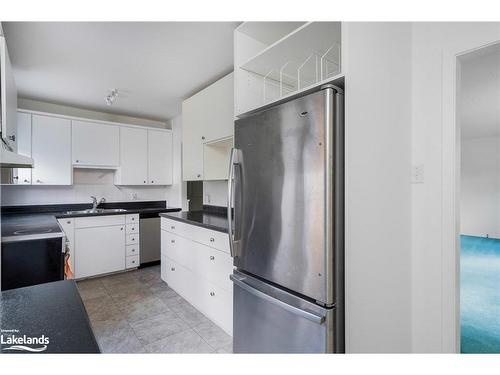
column 96, row 211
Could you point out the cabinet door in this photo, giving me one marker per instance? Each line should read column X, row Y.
column 133, row 157
column 159, row 157
column 193, row 115
column 99, row 250
column 219, row 103
column 22, row 176
column 51, row 151
column 95, row 144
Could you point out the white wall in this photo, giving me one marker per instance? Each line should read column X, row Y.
column 85, row 183
column 430, row 332
column 215, row 193
column 177, row 192
column 65, row 110
column 480, row 187
column 378, row 197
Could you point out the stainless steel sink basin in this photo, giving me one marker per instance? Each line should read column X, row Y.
column 96, row 211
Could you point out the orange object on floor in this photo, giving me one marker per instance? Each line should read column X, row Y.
column 68, row 274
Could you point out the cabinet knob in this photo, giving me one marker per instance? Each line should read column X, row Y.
column 172, row 227
column 39, row 181
column 68, row 222
column 152, row 182
column 172, row 269
column 212, row 239
column 133, row 218
column 203, row 137
column 15, row 177
column 212, row 257
column 77, row 161
column 212, row 294
column 198, row 175
column 26, row 180
column 144, row 181
column 172, row 241
column 133, row 261
column 121, row 228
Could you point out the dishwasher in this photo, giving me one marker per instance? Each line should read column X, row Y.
column 150, row 235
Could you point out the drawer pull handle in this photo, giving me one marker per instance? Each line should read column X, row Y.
column 212, row 257
column 172, row 269
column 68, row 222
column 212, row 239
column 212, row 294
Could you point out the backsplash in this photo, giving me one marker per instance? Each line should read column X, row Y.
column 86, row 182
column 215, row 193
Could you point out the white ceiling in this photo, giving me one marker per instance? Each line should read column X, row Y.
column 479, row 104
column 154, row 65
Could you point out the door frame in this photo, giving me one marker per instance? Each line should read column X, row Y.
column 450, row 223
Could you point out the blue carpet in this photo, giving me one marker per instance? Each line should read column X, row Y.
column 480, row 295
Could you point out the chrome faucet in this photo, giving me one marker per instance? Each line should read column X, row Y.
column 95, row 203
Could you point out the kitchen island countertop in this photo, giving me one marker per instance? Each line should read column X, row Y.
column 54, row 310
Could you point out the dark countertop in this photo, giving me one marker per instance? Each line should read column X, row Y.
column 209, row 220
column 37, row 220
column 54, row 310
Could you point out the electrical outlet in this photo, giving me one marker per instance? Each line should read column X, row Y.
column 417, row 174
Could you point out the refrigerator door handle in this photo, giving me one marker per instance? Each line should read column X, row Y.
column 294, row 310
column 234, row 160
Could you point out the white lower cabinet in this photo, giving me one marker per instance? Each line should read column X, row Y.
column 102, row 244
column 99, row 250
column 198, row 272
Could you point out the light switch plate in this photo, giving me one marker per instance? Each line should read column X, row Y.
column 417, row 174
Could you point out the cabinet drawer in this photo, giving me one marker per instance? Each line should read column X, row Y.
column 132, row 261
column 132, row 219
column 132, row 250
column 217, row 304
column 173, row 226
column 212, row 238
column 179, row 279
column 99, row 221
column 132, row 239
column 215, row 266
column 179, row 249
column 132, row 228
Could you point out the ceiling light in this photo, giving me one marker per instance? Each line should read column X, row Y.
column 111, row 97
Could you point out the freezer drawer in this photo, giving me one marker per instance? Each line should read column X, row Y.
column 270, row 320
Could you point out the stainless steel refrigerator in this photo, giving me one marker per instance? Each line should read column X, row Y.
column 286, row 180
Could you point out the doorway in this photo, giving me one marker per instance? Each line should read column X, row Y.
column 478, row 119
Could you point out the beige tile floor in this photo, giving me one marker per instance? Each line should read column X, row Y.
column 136, row 312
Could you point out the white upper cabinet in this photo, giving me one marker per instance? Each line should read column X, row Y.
column 159, row 157
column 51, row 151
column 133, row 157
column 95, row 144
column 22, row 176
column 192, row 139
column 275, row 60
column 207, row 117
